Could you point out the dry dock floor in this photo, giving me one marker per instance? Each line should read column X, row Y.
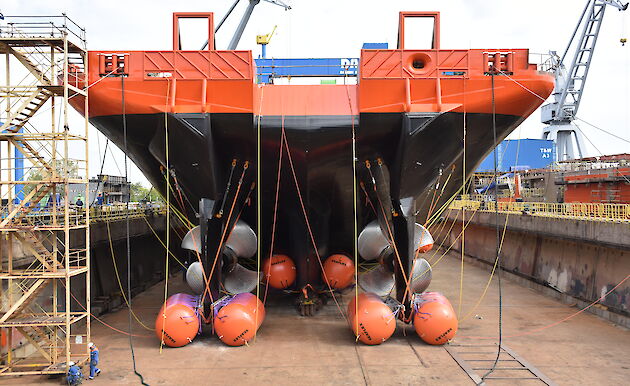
column 321, row 350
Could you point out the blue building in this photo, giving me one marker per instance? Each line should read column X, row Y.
column 523, row 154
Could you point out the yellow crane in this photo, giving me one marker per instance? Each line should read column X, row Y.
column 263, row 40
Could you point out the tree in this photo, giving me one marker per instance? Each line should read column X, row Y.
column 141, row 193
column 35, row 174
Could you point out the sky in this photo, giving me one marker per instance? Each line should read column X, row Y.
column 337, row 28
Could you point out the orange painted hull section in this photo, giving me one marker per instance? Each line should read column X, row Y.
column 370, row 96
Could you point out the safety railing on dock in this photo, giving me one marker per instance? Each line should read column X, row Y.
column 578, row 211
column 40, row 218
column 120, row 212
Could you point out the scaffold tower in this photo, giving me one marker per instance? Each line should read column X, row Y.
column 44, row 232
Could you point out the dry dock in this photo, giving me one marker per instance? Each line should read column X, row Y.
column 315, row 351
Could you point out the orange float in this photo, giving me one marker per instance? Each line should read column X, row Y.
column 434, row 319
column 236, row 322
column 177, row 322
column 338, row 271
column 279, row 271
column 375, row 320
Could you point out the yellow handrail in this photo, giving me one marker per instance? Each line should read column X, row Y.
column 120, row 212
column 580, row 211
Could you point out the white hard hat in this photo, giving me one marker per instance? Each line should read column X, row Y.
column 71, row 363
column 90, row 345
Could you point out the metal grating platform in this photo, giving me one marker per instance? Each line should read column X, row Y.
column 477, row 359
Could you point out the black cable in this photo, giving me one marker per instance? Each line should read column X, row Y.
column 497, row 260
column 124, row 122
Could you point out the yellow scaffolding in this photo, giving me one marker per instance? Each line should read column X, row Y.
column 44, row 271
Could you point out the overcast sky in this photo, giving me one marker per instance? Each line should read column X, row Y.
column 337, row 28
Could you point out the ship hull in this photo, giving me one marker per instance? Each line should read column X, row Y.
column 416, row 152
column 207, row 133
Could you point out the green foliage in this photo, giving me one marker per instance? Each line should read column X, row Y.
column 141, row 193
column 40, row 173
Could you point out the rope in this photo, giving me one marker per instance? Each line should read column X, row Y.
column 179, row 214
column 461, row 274
column 494, row 267
column 355, row 236
column 168, row 209
column 483, row 294
column 122, row 291
column 520, row 334
column 520, row 84
column 391, row 234
column 223, row 238
column 275, row 216
column 258, row 208
column 41, row 111
column 436, row 215
column 448, row 178
column 101, row 321
column 162, row 243
column 306, row 220
column 124, row 121
column 433, row 264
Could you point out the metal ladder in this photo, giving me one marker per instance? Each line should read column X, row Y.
column 477, row 359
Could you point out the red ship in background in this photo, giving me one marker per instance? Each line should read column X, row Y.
column 319, row 163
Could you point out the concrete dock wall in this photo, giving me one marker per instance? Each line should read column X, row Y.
column 576, row 260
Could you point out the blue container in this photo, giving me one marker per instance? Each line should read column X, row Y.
column 374, row 46
column 524, row 154
column 320, row 67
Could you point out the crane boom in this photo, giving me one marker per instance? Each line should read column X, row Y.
column 570, row 83
column 244, row 20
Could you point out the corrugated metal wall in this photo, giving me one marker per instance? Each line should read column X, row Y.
column 524, row 154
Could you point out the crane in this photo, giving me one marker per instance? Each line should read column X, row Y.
column 244, row 20
column 263, row 40
column 560, row 113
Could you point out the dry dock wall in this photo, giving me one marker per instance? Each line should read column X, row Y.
column 574, row 260
column 147, row 257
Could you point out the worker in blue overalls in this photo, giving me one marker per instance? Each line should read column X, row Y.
column 93, row 361
column 74, row 376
